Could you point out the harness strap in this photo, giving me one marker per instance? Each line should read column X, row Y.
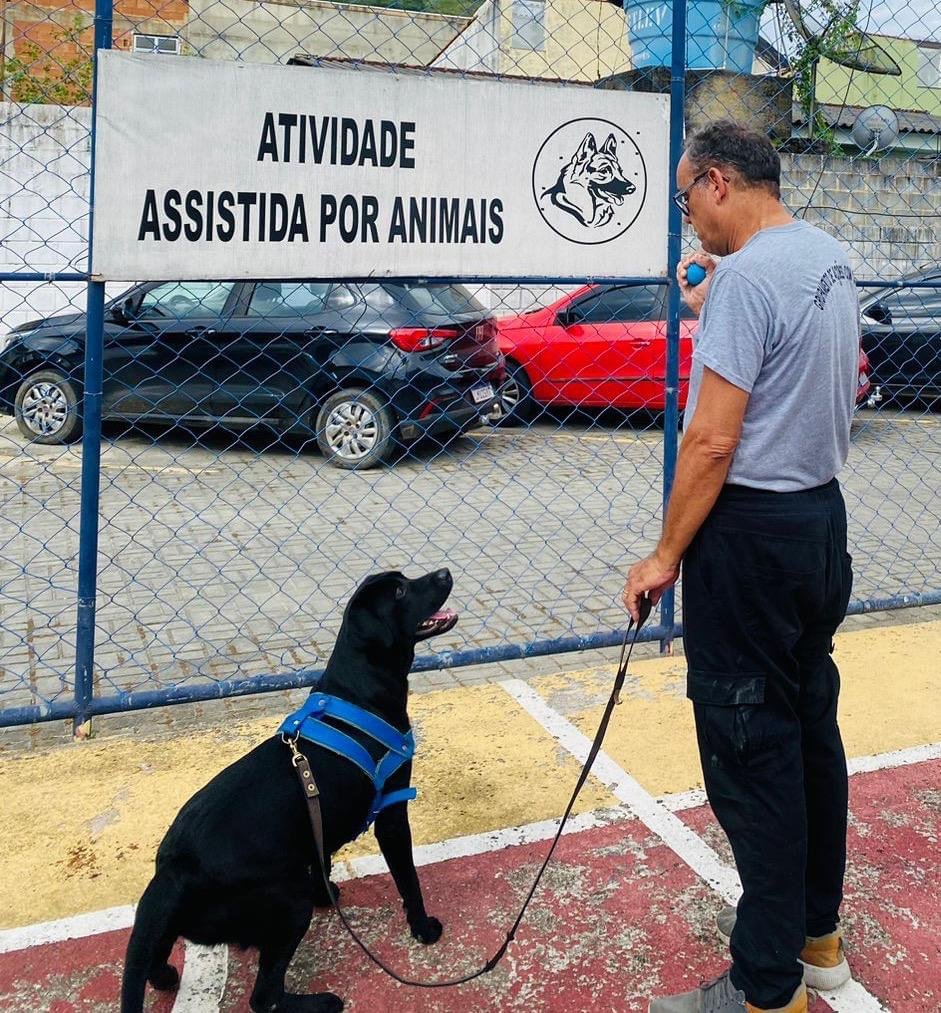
column 402, row 795
column 308, row 723
column 340, row 743
column 320, row 705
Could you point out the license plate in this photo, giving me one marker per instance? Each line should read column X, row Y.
column 480, row 394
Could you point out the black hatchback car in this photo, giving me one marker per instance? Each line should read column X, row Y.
column 901, row 335
column 360, row 366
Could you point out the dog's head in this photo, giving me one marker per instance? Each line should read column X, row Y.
column 602, row 170
column 391, row 610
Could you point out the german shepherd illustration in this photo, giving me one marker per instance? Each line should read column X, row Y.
column 592, row 183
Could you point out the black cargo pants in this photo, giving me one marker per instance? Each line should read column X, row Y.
column 766, row 583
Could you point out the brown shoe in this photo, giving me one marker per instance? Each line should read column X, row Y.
column 824, row 961
column 798, row 1003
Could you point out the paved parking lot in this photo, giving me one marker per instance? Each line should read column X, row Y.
column 222, row 557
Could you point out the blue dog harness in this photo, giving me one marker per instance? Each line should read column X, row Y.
column 308, row 723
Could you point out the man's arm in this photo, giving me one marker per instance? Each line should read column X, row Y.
column 701, row 468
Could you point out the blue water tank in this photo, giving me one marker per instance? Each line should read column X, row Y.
column 720, row 36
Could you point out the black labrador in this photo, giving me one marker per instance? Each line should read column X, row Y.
column 238, row 864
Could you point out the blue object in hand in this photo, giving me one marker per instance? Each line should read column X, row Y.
column 695, row 273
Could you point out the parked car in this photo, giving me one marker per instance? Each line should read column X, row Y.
column 599, row 347
column 901, row 332
column 359, row 366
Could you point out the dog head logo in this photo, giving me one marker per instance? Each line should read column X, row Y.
column 589, row 181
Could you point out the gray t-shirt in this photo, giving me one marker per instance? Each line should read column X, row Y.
column 781, row 321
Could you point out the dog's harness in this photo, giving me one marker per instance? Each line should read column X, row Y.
column 309, row 724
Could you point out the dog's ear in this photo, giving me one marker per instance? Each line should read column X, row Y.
column 368, row 612
column 586, row 149
column 610, row 146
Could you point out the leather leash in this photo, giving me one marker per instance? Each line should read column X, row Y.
column 312, row 795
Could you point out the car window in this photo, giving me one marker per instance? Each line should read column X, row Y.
column 624, row 304
column 182, row 299
column 438, row 300
column 914, row 304
column 341, row 297
column 378, row 297
column 288, row 299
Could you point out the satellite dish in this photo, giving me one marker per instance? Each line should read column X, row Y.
column 858, row 50
column 875, row 128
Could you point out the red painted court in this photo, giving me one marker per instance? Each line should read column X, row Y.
column 619, row 917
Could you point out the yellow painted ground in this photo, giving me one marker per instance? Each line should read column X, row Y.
column 890, row 699
column 81, row 824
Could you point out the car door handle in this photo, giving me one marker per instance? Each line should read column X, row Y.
column 316, row 332
column 201, row 332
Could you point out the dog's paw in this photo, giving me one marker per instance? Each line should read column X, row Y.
column 166, row 978
column 427, row 931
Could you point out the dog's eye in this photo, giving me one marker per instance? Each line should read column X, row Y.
column 399, row 593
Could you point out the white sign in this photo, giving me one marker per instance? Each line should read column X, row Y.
column 209, row 169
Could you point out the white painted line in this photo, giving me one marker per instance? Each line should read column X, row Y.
column 852, row 998
column 687, row 845
column 683, row 800
column 76, row 927
column 205, row 970
column 481, row 844
column 897, row 758
column 656, row 817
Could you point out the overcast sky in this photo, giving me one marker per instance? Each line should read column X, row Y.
column 915, row 19
column 912, row 19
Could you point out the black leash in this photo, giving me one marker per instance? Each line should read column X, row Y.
column 313, row 804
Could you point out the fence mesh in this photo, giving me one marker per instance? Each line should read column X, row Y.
column 266, row 444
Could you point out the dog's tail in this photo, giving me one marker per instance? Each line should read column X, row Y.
column 152, row 938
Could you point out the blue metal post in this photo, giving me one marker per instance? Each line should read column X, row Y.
column 671, row 419
column 91, row 437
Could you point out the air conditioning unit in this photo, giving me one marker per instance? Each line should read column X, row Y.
column 163, row 45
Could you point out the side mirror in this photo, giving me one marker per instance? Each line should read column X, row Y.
column 879, row 312
column 569, row 317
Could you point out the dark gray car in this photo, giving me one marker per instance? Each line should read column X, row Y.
column 360, row 366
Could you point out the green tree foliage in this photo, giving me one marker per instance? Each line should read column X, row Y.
column 61, row 76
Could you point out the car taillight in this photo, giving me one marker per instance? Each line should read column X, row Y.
column 485, row 332
column 420, row 339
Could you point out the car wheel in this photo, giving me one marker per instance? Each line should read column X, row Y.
column 47, row 408
column 516, row 397
column 354, row 429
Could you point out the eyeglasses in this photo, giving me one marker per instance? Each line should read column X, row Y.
column 681, row 197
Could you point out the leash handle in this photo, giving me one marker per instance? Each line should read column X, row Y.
column 312, row 796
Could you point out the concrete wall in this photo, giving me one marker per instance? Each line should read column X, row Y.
column 44, row 154
column 585, row 40
column 884, row 209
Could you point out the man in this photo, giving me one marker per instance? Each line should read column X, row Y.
column 757, row 519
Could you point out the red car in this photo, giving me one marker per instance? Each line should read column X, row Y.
column 599, row 347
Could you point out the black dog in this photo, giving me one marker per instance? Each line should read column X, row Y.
column 238, row 864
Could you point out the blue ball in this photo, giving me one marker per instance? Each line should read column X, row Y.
column 695, row 273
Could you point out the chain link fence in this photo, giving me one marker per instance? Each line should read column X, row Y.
column 265, row 444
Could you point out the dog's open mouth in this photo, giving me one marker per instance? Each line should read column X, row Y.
column 439, row 622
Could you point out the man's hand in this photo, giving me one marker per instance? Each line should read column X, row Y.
column 695, row 295
column 651, row 576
